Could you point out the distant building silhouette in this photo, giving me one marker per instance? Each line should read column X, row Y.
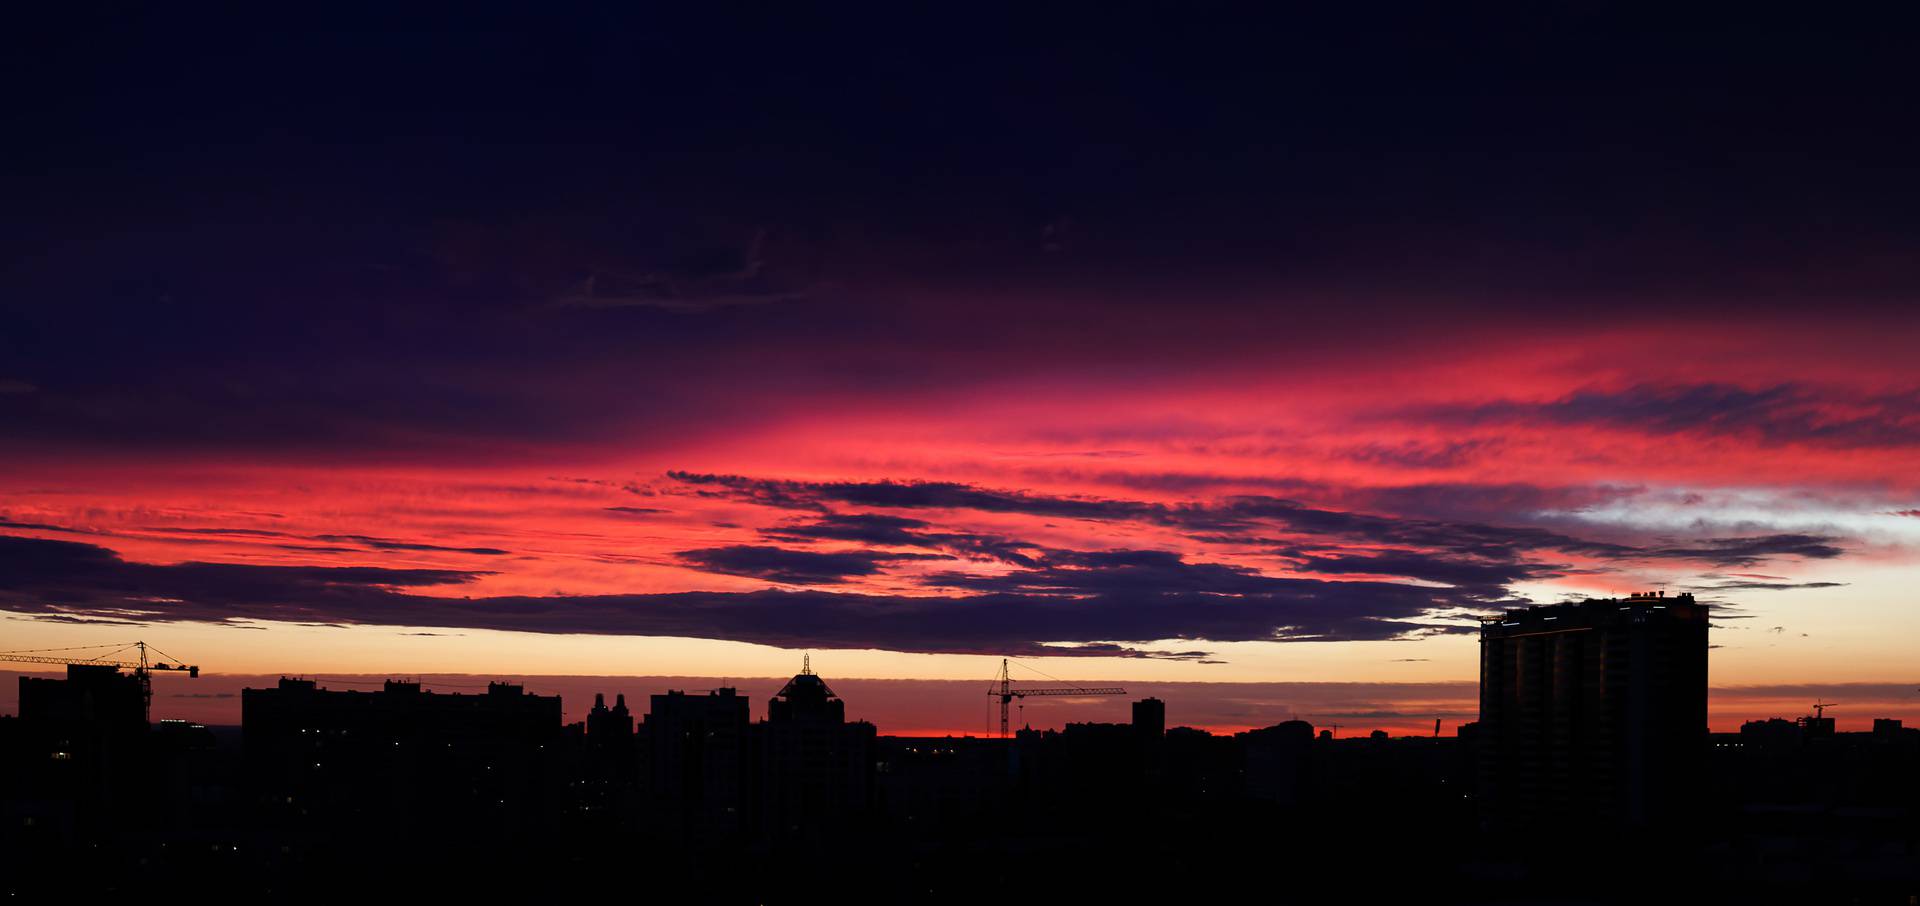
column 1815, row 725
column 816, row 767
column 84, row 741
column 402, row 753
column 605, row 781
column 1150, row 718
column 101, row 699
column 609, row 725
column 1149, row 737
column 1773, row 731
column 941, row 788
column 1593, row 712
column 1278, row 764
column 699, row 764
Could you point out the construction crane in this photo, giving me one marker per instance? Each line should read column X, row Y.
column 141, row 666
column 1820, row 707
column 1003, row 690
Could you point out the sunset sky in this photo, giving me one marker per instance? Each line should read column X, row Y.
column 1243, row 364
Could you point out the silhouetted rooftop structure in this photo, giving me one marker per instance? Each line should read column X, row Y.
column 817, row 769
column 806, row 697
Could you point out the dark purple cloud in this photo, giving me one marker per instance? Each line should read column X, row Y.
column 363, row 542
column 815, row 495
column 1776, row 414
column 1235, row 520
column 794, row 567
column 899, row 531
column 45, row 527
column 1135, row 571
column 1758, row 585
column 1102, row 597
column 388, row 544
column 1751, row 550
column 39, row 575
column 1488, row 577
column 861, row 527
column 1414, row 454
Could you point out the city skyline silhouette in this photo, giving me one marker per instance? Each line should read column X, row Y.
column 1588, row 727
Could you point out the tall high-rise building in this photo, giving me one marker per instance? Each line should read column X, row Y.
column 817, row 769
column 1150, row 718
column 699, row 764
column 1593, row 713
